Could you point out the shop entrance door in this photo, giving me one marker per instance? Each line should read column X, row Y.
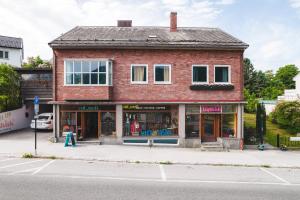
column 91, row 125
column 210, row 127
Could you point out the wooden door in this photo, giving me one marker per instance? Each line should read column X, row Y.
column 210, row 127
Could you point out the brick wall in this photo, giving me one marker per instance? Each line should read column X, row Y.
column 181, row 61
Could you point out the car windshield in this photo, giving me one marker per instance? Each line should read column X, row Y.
column 43, row 118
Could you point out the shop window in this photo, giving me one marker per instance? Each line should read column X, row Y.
column 68, row 122
column 88, row 72
column 108, row 123
column 162, row 74
column 139, row 74
column 150, row 123
column 222, row 74
column 192, row 125
column 228, row 125
column 200, row 74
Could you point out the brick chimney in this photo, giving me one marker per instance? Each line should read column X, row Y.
column 124, row 23
column 173, row 21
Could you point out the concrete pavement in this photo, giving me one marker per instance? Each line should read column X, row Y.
column 20, row 142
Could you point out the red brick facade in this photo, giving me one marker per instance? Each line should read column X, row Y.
column 178, row 91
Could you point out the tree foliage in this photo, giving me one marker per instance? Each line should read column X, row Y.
column 36, row 62
column 287, row 115
column 286, row 74
column 9, row 88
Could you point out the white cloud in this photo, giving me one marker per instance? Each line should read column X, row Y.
column 295, row 3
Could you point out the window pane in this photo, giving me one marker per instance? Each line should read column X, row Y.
column 102, row 78
column 85, row 66
column 94, row 78
column 199, row 74
column 69, row 66
column 139, row 73
column 221, row 74
column 77, row 66
column 102, row 66
column 162, row 73
column 192, row 126
column 6, row 54
column 77, row 78
column 94, row 66
column 69, row 78
column 228, row 125
column 86, row 78
column 1, row 54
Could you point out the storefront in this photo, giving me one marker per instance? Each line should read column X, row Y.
column 88, row 122
column 209, row 122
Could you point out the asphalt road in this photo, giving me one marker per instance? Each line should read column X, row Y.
column 72, row 179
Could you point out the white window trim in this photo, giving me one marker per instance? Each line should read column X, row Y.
column 170, row 74
column 139, row 82
column 207, row 74
column 86, row 59
column 229, row 74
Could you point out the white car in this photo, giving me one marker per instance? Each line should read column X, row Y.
column 44, row 121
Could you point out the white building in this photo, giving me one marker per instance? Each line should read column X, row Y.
column 292, row 94
column 11, row 51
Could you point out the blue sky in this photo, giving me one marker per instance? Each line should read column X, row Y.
column 270, row 27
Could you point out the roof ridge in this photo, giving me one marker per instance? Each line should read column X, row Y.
column 10, row 37
column 179, row 27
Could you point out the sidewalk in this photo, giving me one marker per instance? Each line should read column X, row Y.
column 18, row 143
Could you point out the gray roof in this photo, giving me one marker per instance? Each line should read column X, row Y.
column 147, row 37
column 11, row 42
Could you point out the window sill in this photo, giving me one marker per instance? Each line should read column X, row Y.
column 218, row 86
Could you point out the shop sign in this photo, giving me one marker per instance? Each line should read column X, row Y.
column 139, row 107
column 89, row 108
column 211, row 109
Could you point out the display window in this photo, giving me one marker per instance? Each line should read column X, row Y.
column 228, row 125
column 150, row 123
column 68, row 121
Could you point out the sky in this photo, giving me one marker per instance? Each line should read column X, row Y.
column 270, row 27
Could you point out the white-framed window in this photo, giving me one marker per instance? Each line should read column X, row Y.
column 88, row 72
column 139, row 73
column 162, row 74
column 222, row 74
column 200, row 74
column 4, row 55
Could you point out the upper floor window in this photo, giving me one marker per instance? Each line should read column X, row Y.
column 222, row 74
column 4, row 55
column 88, row 72
column 139, row 73
column 162, row 74
column 200, row 74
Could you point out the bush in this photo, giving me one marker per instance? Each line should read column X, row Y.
column 27, row 155
column 287, row 115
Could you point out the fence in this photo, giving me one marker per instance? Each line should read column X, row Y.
column 278, row 140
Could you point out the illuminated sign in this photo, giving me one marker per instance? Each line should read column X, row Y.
column 144, row 107
column 211, row 109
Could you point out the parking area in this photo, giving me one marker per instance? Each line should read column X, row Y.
column 149, row 172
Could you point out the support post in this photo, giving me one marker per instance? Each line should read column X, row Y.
column 119, row 122
column 181, row 121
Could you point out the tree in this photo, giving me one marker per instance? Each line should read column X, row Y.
column 287, row 115
column 251, row 101
column 286, row 74
column 248, row 73
column 36, row 62
column 260, row 121
column 10, row 97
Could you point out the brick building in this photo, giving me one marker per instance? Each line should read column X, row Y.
column 139, row 85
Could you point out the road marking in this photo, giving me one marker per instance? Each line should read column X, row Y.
column 22, row 171
column 7, row 159
column 162, row 173
column 42, row 167
column 24, row 163
column 274, row 175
